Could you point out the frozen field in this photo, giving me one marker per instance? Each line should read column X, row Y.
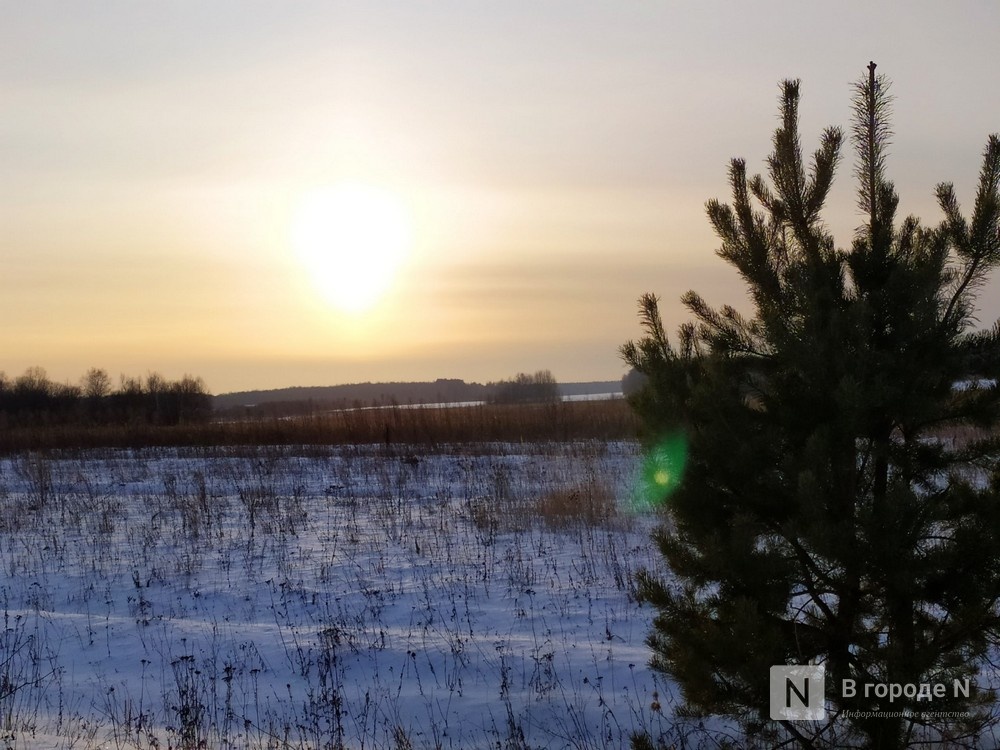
column 348, row 597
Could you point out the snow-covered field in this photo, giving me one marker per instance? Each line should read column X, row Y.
column 339, row 597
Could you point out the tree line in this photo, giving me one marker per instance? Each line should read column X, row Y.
column 32, row 399
column 540, row 387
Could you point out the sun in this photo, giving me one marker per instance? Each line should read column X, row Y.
column 351, row 239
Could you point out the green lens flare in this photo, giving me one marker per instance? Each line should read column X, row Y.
column 662, row 472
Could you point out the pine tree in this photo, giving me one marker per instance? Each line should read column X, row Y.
column 841, row 497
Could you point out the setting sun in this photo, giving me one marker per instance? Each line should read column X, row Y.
column 351, row 239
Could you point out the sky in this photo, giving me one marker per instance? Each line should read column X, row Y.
column 536, row 167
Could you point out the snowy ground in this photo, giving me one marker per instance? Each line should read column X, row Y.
column 347, row 598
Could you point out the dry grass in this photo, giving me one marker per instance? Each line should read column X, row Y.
column 591, row 504
column 581, row 420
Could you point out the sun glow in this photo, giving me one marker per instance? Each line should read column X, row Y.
column 351, row 239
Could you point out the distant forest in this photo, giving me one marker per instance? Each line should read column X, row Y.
column 309, row 400
column 32, row 400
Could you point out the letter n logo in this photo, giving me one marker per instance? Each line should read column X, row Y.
column 798, row 693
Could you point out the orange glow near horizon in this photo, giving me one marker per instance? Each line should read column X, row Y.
column 269, row 196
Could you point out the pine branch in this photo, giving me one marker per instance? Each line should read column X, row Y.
column 747, row 238
column 823, row 170
column 985, row 230
column 785, row 162
column 978, row 245
column 872, row 134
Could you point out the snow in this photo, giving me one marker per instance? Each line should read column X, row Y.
column 973, row 384
column 324, row 597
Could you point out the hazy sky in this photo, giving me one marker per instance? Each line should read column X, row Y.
column 550, row 162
